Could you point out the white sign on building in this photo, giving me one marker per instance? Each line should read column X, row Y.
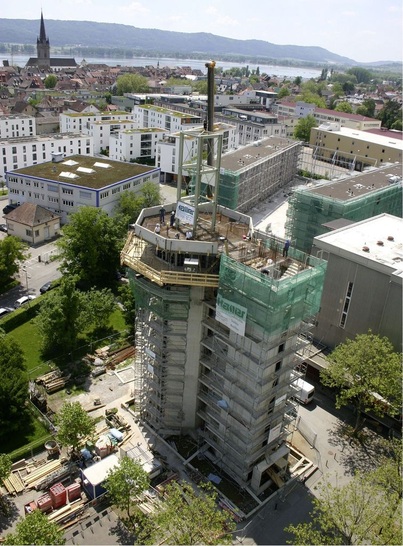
column 231, row 314
column 185, row 213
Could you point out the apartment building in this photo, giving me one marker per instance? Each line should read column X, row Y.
column 63, row 185
column 129, row 144
column 356, row 198
column 341, row 145
column 172, row 121
column 252, row 125
column 219, row 320
column 80, row 122
column 13, row 126
column 363, row 284
column 168, row 155
column 16, row 153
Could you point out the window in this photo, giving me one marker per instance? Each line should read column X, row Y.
column 346, row 306
column 28, row 233
column 281, row 348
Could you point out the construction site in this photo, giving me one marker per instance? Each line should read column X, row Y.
column 223, row 315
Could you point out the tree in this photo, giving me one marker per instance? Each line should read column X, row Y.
column 151, row 195
column 358, row 513
column 303, row 128
column 98, row 305
column 90, row 246
column 126, row 297
column 187, row 517
column 50, row 81
column 131, row 83
column 60, row 317
column 36, row 528
column 5, row 470
column 284, row 92
column 364, row 369
column 367, row 108
column 74, row 425
column 12, row 252
column 362, row 74
column 390, row 113
column 130, row 203
column 344, row 107
column 126, row 483
column 13, row 386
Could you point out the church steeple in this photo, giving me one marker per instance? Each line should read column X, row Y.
column 43, row 46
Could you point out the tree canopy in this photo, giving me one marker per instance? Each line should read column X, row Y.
column 90, row 246
column 12, row 252
column 50, row 81
column 344, row 106
column 74, row 425
column 303, row 128
column 126, row 483
column 131, row 83
column 361, row 512
column 130, row 203
column 363, row 370
column 188, row 517
column 390, row 113
column 13, row 385
column 34, row 529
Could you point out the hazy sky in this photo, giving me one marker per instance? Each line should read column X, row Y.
column 363, row 30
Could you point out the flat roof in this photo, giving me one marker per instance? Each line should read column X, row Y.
column 365, row 136
column 245, row 156
column 170, row 111
column 378, row 240
column 98, row 472
column 102, row 172
column 356, row 186
column 96, row 114
column 52, row 137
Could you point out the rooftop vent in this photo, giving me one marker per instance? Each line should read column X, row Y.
column 380, row 243
column 391, row 238
column 365, row 248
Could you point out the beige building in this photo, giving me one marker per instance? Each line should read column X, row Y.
column 33, row 223
column 341, row 145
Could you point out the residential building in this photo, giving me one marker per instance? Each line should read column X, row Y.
column 80, row 121
column 363, row 284
column 340, row 145
column 252, row 125
column 354, row 198
column 219, row 318
column 103, row 131
column 63, row 185
column 17, row 125
column 148, row 115
column 129, row 144
column 16, row 153
column 33, row 223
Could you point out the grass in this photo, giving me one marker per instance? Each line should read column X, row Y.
column 28, row 337
column 30, row 437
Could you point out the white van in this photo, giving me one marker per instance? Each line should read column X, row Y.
column 305, row 391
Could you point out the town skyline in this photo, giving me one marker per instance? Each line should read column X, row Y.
column 345, row 28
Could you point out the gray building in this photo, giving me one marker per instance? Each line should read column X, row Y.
column 363, row 283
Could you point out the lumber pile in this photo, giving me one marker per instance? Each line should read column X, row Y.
column 36, row 476
column 53, row 381
column 14, row 483
column 69, row 511
column 119, row 356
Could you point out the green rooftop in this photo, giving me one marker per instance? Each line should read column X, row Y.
column 82, row 170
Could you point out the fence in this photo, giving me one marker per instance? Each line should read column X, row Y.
column 306, row 431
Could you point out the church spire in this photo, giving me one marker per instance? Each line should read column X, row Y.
column 43, row 47
column 42, row 34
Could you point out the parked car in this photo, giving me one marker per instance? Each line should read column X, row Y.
column 3, row 227
column 4, row 311
column 46, row 287
column 8, row 208
column 22, row 300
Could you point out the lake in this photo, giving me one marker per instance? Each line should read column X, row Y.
column 290, row 72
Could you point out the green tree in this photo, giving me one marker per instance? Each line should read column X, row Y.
column 150, row 194
column 13, row 386
column 390, row 113
column 98, row 305
column 362, row 74
column 348, row 87
column 74, row 425
column 5, row 470
column 127, row 299
column 60, row 317
column 284, row 92
column 12, row 252
column 50, row 81
column 34, row 529
column 90, row 246
column 129, row 206
column 358, row 513
column 131, row 83
column 362, row 368
column 298, row 80
column 344, row 107
column 187, row 517
column 125, row 484
column 303, row 128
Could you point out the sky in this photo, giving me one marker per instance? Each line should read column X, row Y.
column 363, row 30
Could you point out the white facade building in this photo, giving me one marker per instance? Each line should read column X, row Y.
column 64, row 185
column 16, row 153
column 129, row 144
column 21, row 125
column 73, row 122
column 148, row 115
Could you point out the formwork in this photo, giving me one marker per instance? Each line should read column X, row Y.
column 308, row 211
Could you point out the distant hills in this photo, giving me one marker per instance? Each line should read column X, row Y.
column 81, row 35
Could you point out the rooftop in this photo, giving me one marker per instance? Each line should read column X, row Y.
column 245, row 156
column 96, row 114
column 162, row 110
column 360, row 185
column 378, row 240
column 380, row 138
column 82, row 170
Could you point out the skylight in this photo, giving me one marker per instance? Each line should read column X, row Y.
column 85, row 170
column 66, row 174
column 70, row 163
column 102, row 165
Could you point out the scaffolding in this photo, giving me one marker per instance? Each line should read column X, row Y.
column 309, row 210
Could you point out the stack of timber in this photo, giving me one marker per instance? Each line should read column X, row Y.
column 120, row 355
column 67, row 512
column 53, row 381
column 57, row 476
column 14, row 483
column 39, row 474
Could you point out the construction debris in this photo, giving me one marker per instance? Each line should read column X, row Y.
column 53, row 381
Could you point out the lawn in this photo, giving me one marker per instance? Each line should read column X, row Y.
column 31, row 437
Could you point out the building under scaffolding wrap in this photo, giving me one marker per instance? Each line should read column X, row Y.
column 220, row 317
column 354, row 198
